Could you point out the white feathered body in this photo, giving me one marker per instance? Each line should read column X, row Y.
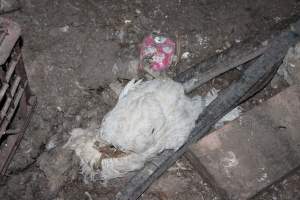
column 148, row 118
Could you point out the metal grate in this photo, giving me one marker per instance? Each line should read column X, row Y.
column 16, row 99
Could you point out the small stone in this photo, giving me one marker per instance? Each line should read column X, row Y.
column 227, row 44
column 138, row 11
column 265, row 43
column 277, row 19
column 64, row 29
column 127, row 21
column 275, row 82
column 219, row 51
column 185, row 55
column 78, row 118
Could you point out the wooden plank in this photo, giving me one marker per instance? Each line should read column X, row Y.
column 218, row 64
column 249, row 154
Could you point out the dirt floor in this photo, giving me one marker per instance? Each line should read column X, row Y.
column 74, row 48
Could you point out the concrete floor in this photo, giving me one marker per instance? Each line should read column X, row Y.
column 73, row 48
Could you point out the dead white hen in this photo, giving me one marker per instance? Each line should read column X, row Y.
column 148, row 118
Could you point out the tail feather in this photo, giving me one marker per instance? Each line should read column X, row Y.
column 83, row 142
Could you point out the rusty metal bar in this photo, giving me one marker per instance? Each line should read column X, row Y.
column 14, row 140
column 3, row 90
column 11, row 69
column 5, row 108
column 14, row 86
column 10, row 96
column 4, row 33
column 11, row 111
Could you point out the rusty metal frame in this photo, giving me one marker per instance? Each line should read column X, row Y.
column 17, row 102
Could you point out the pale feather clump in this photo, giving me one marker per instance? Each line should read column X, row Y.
column 82, row 141
column 149, row 117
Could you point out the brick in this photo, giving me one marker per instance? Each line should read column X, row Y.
column 250, row 153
